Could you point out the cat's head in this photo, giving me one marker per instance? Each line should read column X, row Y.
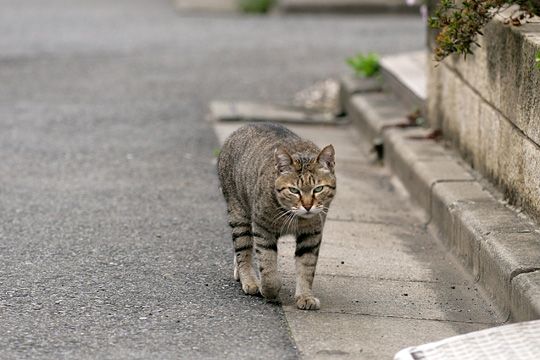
column 306, row 183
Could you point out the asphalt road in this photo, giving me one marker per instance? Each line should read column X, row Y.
column 113, row 237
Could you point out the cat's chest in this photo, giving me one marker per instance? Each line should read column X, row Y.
column 296, row 226
column 306, row 226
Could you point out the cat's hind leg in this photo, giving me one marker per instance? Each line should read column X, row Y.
column 266, row 253
column 243, row 250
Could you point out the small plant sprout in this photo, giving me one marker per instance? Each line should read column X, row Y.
column 365, row 65
column 538, row 59
column 255, row 6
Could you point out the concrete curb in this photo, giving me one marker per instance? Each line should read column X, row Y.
column 404, row 75
column 345, row 7
column 500, row 246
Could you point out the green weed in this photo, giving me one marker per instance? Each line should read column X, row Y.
column 365, row 65
column 255, row 6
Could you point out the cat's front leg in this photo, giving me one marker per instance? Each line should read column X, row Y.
column 266, row 253
column 306, row 255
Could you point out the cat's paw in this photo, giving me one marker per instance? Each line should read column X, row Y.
column 307, row 302
column 270, row 289
column 250, row 288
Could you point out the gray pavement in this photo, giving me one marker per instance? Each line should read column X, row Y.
column 113, row 238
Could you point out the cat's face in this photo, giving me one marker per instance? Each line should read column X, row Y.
column 305, row 184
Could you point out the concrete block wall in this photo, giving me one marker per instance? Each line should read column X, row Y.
column 488, row 106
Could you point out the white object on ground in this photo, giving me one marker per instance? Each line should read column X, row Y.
column 520, row 341
column 247, row 111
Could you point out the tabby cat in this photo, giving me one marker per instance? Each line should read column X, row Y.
column 275, row 184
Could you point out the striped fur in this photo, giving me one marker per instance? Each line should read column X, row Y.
column 275, row 184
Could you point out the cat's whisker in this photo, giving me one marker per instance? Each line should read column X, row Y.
column 287, row 212
column 285, row 225
column 291, row 221
column 294, row 224
column 286, row 222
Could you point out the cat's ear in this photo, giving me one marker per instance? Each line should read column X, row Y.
column 283, row 160
column 326, row 157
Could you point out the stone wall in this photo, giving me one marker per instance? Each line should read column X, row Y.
column 488, row 106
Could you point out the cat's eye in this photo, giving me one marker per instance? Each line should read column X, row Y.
column 318, row 189
column 294, row 190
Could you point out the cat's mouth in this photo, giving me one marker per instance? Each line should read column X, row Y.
column 307, row 214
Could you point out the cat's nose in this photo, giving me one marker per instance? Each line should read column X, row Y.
column 307, row 207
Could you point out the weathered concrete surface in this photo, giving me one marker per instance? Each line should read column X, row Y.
column 493, row 241
column 371, row 123
column 249, row 111
column 206, row 5
column 350, row 85
column 526, row 287
column 405, row 75
column 418, row 169
column 489, row 107
column 345, row 6
column 329, row 335
column 383, row 280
